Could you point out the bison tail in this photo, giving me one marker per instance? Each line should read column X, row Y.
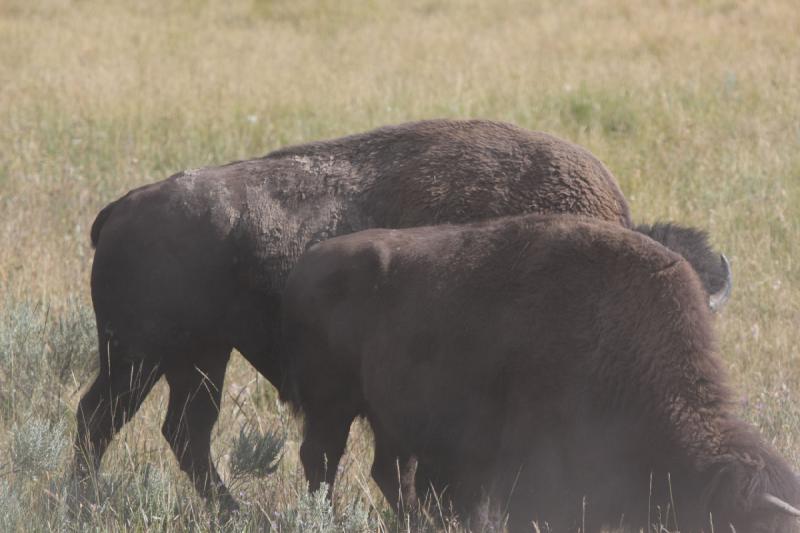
column 99, row 221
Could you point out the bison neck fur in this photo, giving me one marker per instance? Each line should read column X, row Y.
column 557, row 369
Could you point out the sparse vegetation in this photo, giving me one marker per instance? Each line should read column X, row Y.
column 255, row 453
column 37, row 446
column 693, row 105
column 313, row 513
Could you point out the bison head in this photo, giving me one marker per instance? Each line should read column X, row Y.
column 752, row 492
column 712, row 268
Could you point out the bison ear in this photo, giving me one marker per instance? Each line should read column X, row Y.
column 773, row 503
column 717, row 300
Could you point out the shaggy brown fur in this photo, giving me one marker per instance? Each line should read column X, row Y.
column 532, row 364
column 190, row 267
column 693, row 245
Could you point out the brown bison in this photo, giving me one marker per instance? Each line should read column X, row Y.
column 558, row 369
column 191, row 267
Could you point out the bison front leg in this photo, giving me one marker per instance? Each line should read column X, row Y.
column 195, row 391
column 394, row 471
column 324, row 441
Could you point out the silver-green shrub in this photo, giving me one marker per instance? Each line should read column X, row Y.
column 10, row 508
column 313, row 513
column 42, row 351
column 37, row 446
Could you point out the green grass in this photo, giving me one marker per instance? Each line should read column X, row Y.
column 693, row 105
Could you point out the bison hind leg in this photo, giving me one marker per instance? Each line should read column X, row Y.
column 122, row 384
column 195, row 392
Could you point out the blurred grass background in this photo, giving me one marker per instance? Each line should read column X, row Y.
column 693, row 105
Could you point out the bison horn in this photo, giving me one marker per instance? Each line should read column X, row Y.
column 776, row 504
column 717, row 300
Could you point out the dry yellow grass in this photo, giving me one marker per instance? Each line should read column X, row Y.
column 694, row 105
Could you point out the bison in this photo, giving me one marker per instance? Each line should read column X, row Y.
column 188, row 268
column 560, row 369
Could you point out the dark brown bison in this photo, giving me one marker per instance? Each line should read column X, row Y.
column 191, row 267
column 559, row 369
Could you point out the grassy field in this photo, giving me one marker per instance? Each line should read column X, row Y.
column 694, row 105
